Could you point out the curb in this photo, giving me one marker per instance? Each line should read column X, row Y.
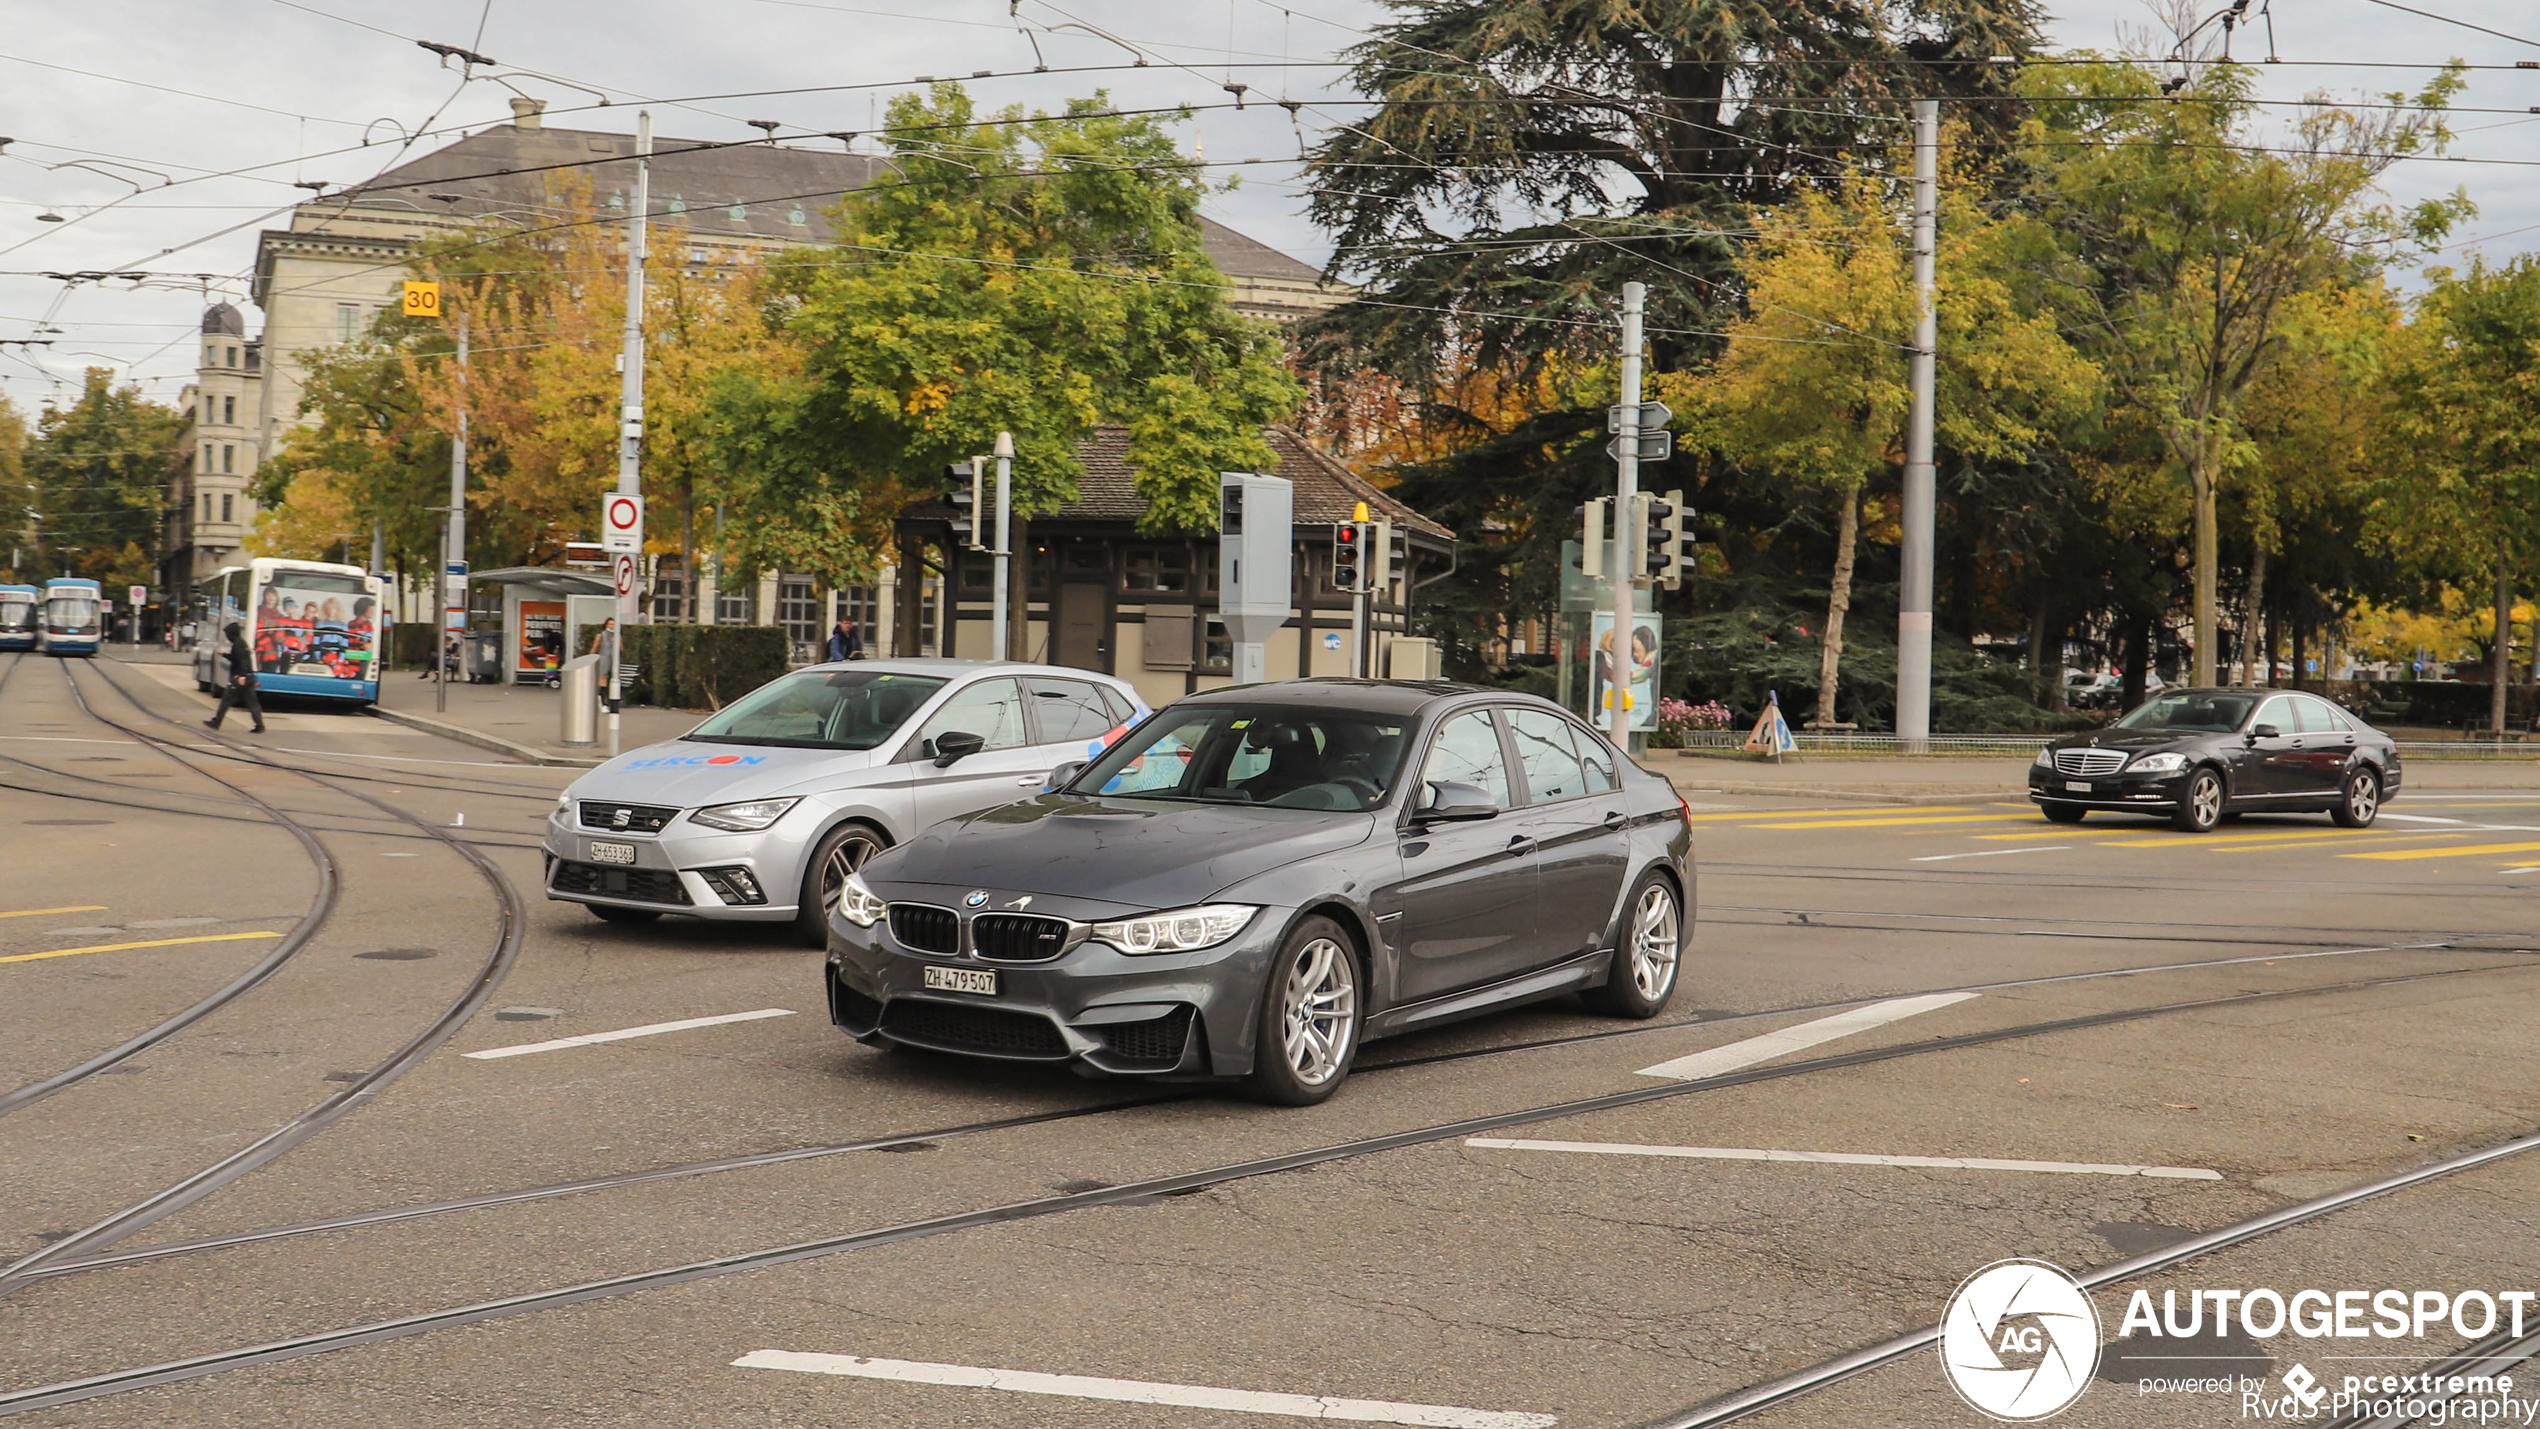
column 1861, row 796
column 495, row 743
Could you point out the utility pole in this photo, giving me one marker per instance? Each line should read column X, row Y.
column 1627, row 562
column 1913, row 606
column 454, row 544
column 630, row 427
column 1005, row 546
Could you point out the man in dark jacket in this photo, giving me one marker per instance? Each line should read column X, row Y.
column 844, row 643
column 240, row 692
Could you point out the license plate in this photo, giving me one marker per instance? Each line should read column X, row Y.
column 612, row 853
column 962, row 980
column 2075, row 786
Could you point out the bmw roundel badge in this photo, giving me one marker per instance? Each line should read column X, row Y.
column 977, row 897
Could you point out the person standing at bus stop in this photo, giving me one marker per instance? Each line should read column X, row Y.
column 241, row 690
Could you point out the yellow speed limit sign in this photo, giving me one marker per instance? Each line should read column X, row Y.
column 423, row 300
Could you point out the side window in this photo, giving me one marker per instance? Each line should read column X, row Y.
column 2277, row 712
column 1070, row 711
column 991, row 709
column 1544, row 751
column 2320, row 717
column 1121, row 710
column 1596, row 757
column 1466, row 751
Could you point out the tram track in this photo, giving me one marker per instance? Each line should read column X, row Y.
column 511, row 930
column 1183, row 1183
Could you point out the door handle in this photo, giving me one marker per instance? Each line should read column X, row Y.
column 1030, row 779
column 1521, row 844
column 1614, row 820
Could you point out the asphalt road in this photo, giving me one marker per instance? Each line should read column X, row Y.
column 2178, row 1035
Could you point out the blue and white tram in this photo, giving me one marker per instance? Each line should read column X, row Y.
column 316, row 628
column 74, row 612
column 20, row 606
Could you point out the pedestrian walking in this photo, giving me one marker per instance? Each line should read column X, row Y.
column 844, row 643
column 240, row 691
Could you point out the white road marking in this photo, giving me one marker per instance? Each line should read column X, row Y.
column 2419, row 819
column 1846, row 1158
column 648, row 1030
column 1135, row 1391
column 1721, row 1060
column 1991, row 853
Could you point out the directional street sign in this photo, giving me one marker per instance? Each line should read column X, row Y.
column 622, row 524
column 1653, row 415
column 1654, row 446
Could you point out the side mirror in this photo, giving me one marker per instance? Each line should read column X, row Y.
column 1064, row 775
column 955, row 744
column 2264, row 731
column 1456, row 804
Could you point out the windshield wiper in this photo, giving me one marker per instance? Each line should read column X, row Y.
column 770, row 741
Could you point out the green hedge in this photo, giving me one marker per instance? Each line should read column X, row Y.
column 698, row 667
column 410, row 645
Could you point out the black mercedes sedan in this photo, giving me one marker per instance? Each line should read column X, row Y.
column 1254, row 881
column 2201, row 756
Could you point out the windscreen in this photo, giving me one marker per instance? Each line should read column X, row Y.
column 71, row 614
column 821, row 709
column 2192, row 713
column 1279, row 757
column 17, row 612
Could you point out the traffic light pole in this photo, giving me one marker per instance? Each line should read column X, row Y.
column 1914, row 595
column 453, row 545
column 630, row 430
column 1627, row 565
column 1005, row 546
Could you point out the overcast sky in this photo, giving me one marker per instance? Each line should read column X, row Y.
column 165, row 134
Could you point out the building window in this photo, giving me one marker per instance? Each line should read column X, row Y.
column 978, row 577
column 207, row 506
column 227, row 512
column 670, row 591
column 348, row 321
column 1217, row 649
column 732, row 607
column 207, row 457
column 233, row 357
column 211, row 355
column 228, row 457
column 798, row 611
column 1165, row 569
column 229, row 411
column 863, row 605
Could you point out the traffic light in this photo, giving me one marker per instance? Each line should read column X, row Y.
column 967, row 498
column 1349, row 552
column 1380, row 554
column 1592, row 538
column 1671, row 541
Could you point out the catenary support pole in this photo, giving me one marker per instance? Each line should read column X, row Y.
column 1914, row 598
column 1627, row 563
column 1005, row 545
column 453, row 592
column 630, row 429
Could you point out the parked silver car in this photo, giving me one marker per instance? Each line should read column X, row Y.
column 760, row 813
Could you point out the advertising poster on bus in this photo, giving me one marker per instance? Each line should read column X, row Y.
column 542, row 638
column 309, row 623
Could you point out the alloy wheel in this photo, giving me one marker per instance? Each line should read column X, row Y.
column 2363, row 798
column 1654, row 939
column 2206, row 794
column 1318, row 1011
column 852, row 853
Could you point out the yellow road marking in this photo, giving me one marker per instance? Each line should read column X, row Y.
column 2461, row 852
column 40, row 912
column 1798, row 813
column 162, row 943
column 1882, row 823
column 2232, row 841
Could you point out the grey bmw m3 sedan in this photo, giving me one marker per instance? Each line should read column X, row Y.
column 1256, row 880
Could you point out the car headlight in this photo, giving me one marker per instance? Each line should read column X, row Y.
column 2158, row 764
column 858, row 904
column 744, row 818
column 2045, row 759
column 1184, row 930
column 564, row 804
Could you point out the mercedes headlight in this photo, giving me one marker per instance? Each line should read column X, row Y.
column 2045, row 759
column 1184, row 930
column 858, row 904
column 744, row 818
column 2158, row 764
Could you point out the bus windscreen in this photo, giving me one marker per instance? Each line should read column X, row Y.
column 17, row 613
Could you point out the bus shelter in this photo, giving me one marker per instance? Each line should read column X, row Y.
column 542, row 606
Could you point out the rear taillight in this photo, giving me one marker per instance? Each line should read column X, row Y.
column 1684, row 811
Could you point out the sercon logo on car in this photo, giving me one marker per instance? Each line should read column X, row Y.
column 685, row 761
column 2019, row 1341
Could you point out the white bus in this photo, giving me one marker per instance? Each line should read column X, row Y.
column 316, row 628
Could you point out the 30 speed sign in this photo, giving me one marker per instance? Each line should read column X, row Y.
column 423, row 300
